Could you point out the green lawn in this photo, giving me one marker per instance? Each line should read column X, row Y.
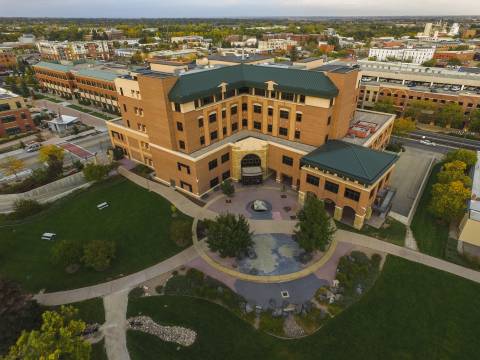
column 91, row 311
column 91, row 112
column 39, row 96
column 395, row 231
column 137, row 220
column 431, row 235
column 412, row 312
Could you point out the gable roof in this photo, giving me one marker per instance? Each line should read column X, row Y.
column 352, row 161
column 194, row 85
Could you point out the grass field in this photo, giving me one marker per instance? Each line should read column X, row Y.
column 431, row 235
column 91, row 112
column 137, row 220
column 412, row 312
column 394, row 233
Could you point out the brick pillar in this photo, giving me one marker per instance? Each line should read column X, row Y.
column 338, row 213
column 358, row 223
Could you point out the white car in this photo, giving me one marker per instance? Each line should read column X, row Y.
column 428, row 142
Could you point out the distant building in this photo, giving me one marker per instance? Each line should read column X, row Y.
column 276, row 44
column 114, row 34
column 15, row 116
column 125, row 52
column 76, row 50
column 62, row 123
column 463, row 56
column 406, row 54
column 454, row 30
column 325, row 47
column 469, row 33
column 7, row 58
column 27, row 39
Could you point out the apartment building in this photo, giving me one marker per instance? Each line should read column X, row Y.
column 407, row 54
column 404, row 83
column 250, row 122
column 75, row 50
column 276, row 44
column 7, row 58
column 85, row 82
column 14, row 114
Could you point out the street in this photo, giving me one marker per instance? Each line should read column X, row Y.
column 448, row 140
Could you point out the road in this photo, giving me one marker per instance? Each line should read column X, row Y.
column 95, row 144
column 447, row 140
column 415, row 143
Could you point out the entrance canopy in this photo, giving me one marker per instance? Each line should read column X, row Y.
column 252, row 171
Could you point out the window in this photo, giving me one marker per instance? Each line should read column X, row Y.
column 329, row 120
column 244, row 122
column 224, row 113
column 212, row 164
column 284, row 114
column 177, row 107
column 212, row 118
column 257, row 125
column 287, row 160
column 181, row 144
column 283, row 131
column 326, row 138
column 269, row 127
column 181, row 166
column 8, row 119
column 287, row 96
column 257, row 109
column 213, row 135
column 179, row 126
column 313, row 180
column 331, row 102
column 124, row 108
column 301, row 98
column 4, row 107
column 298, row 117
column 224, row 130
column 234, row 126
column 270, row 111
column 202, row 140
column 244, row 107
column 273, row 94
column 352, row 194
column 214, row 182
column 297, row 134
column 128, row 123
column 200, row 122
column 184, row 185
column 233, row 110
column 225, row 175
column 225, row 157
column 19, row 105
column 332, row 187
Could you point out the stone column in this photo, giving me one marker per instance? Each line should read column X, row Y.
column 337, row 215
column 358, row 223
column 301, row 198
column 368, row 214
column 460, row 247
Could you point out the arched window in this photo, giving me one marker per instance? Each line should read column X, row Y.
column 251, row 160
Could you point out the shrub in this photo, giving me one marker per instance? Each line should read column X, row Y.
column 136, row 293
column 117, row 153
column 181, row 232
column 23, row 208
column 227, row 188
column 94, row 172
column 469, row 157
column 98, row 254
column 229, row 235
column 78, row 165
column 66, row 252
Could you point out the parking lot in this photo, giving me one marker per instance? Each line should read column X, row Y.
column 408, row 176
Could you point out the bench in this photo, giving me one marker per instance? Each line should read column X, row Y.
column 48, row 236
column 102, row 206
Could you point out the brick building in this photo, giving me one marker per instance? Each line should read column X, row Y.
column 14, row 114
column 248, row 122
column 7, row 58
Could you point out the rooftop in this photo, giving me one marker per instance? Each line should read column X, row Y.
column 365, row 124
column 107, row 71
column 54, row 66
column 351, row 161
column 194, row 85
column 97, row 74
column 239, row 59
column 341, row 68
column 7, row 94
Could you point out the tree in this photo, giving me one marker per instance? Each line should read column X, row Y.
column 469, row 157
column 98, row 254
column 474, row 124
column 136, row 58
column 454, row 62
column 59, row 337
column 66, row 252
column 293, row 53
column 450, row 114
column 17, row 312
column 229, row 235
column 227, row 188
column 454, row 171
column 51, row 151
column 430, row 63
column 403, row 126
column 12, row 166
column 314, row 229
column 420, row 110
column 94, row 172
column 385, row 106
column 449, row 200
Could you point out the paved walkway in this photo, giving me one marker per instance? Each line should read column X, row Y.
column 115, row 326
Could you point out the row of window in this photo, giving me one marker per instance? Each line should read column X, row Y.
column 214, row 163
column 94, row 93
column 51, row 74
column 215, row 181
column 6, row 106
column 96, row 84
column 333, row 188
column 11, row 118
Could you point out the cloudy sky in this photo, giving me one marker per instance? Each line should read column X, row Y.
column 233, row 8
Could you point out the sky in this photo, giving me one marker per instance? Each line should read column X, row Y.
column 233, row 8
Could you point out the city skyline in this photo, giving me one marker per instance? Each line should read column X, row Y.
column 231, row 8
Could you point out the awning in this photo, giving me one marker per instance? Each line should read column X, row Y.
column 252, row 171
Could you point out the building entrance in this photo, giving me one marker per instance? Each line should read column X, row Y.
column 251, row 170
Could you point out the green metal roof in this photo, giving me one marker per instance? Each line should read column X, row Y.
column 194, row 85
column 352, row 161
column 54, row 66
column 97, row 74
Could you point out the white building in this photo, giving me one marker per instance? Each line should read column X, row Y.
column 252, row 42
column 408, row 54
column 454, row 29
column 75, row 50
column 62, row 123
column 276, row 44
column 27, row 39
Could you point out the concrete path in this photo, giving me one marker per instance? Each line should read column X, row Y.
column 114, row 329
column 408, row 254
column 410, row 241
column 125, row 283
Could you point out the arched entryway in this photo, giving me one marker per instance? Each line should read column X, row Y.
column 348, row 215
column 329, row 207
column 251, row 166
